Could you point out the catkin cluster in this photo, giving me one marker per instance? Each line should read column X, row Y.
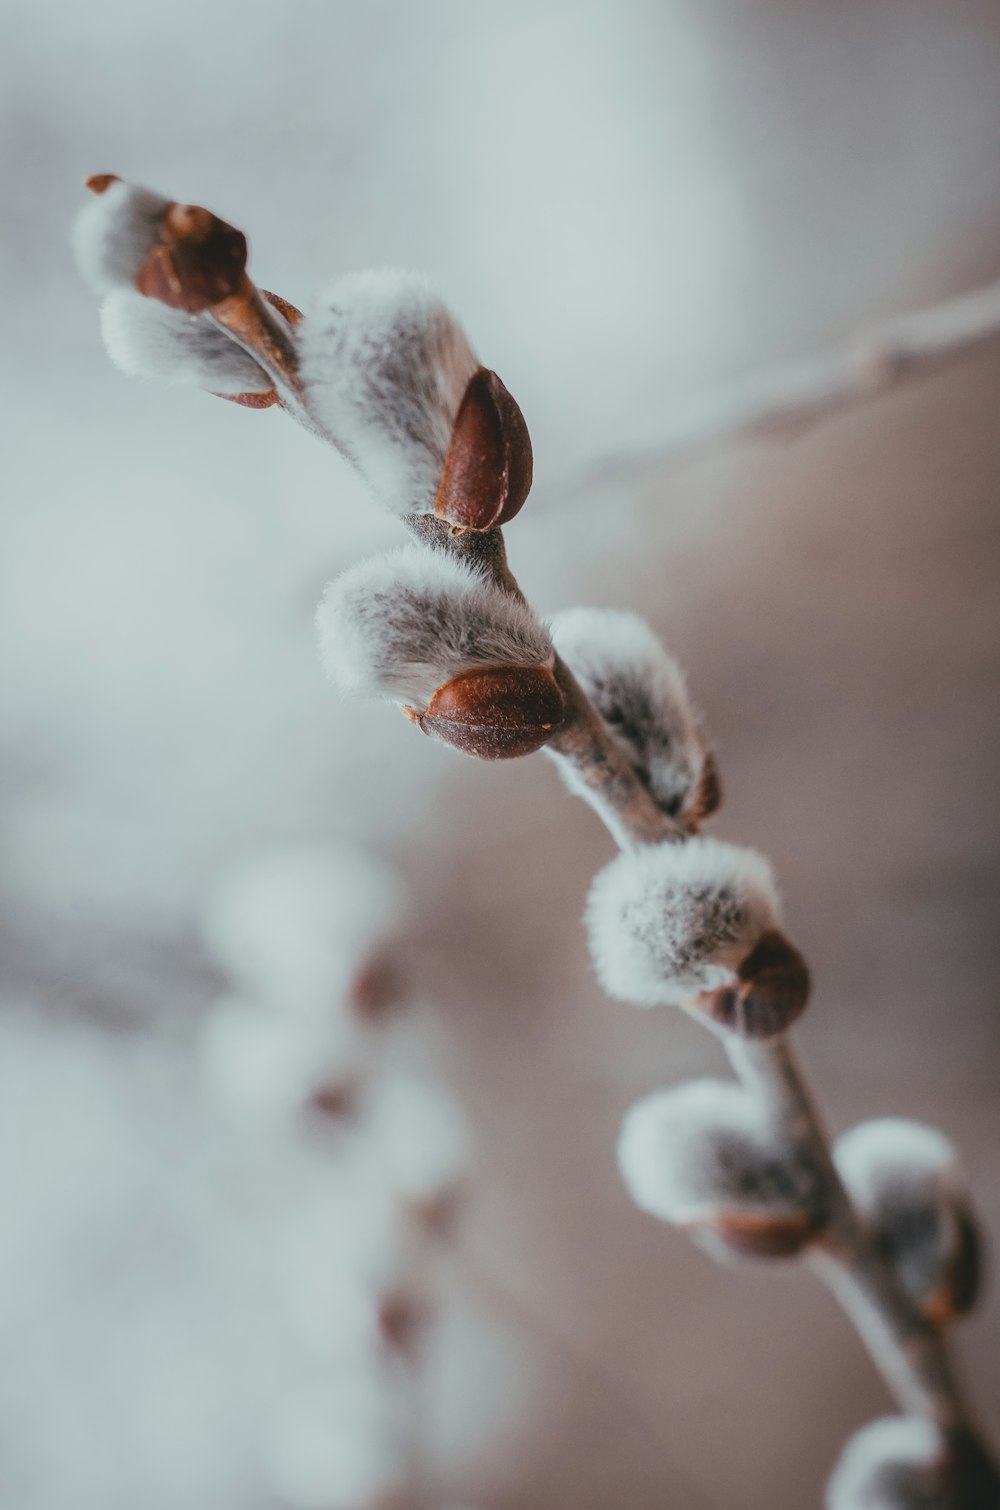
column 297, row 1057
column 380, row 368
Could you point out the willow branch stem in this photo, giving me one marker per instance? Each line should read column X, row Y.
column 787, row 400
column 909, row 1352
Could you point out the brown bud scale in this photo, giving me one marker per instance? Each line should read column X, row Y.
column 291, row 314
column 495, row 712
column 251, row 400
column 487, row 471
column 772, row 992
column 761, row 1235
column 707, row 796
column 99, row 183
column 199, row 261
column 401, row 1318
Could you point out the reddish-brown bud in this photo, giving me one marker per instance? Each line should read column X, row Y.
column 772, row 992
column 759, row 1235
column 99, row 183
column 487, row 471
column 401, row 1318
column 495, row 712
column 335, row 1100
column 199, row 261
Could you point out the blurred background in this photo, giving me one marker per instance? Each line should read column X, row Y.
column 630, row 207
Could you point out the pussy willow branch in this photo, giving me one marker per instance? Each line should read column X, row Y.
column 910, row 1353
column 792, row 397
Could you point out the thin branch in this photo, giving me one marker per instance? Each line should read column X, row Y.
column 794, row 396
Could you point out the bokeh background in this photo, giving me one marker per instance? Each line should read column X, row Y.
column 630, row 206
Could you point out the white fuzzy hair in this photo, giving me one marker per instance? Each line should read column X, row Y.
column 332, row 1444
column 668, row 921
column 261, row 1069
column 113, row 233
column 148, row 339
column 890, row 1465
column 293, row 925
column 419, row 1136
column 639, row 691
column 705, row 1146
column 385, row 367
column 892, row 1157
column 402, row 624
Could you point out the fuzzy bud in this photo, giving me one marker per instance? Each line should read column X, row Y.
column 115, row 232
column 903, row 1177
column 907, row 1463
column 639, row 691
column 420, row 1140
column 391, row 379
column 181, row 255
column 294, row 927
column 336, row 1446
column 268, row 1072
column 148, row 339
column 469, row 663
column 707, row 1155
column 695, row 925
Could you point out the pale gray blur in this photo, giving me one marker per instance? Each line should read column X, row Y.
column 628, row 205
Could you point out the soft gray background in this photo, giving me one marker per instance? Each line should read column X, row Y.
column 628, row 205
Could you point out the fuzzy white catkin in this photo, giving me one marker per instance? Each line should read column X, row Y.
column 335, row 1446
column 640, row 693
column 261, row 1070
column 293, row 925
column 148, row 339
column 114, row 232
column 904, row 1177
column 668, row 921
column 894, row 1157
column 419, row 1137
column 709, row 1145
column 384, row 367
column 402, row 624
column 890, row 1464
